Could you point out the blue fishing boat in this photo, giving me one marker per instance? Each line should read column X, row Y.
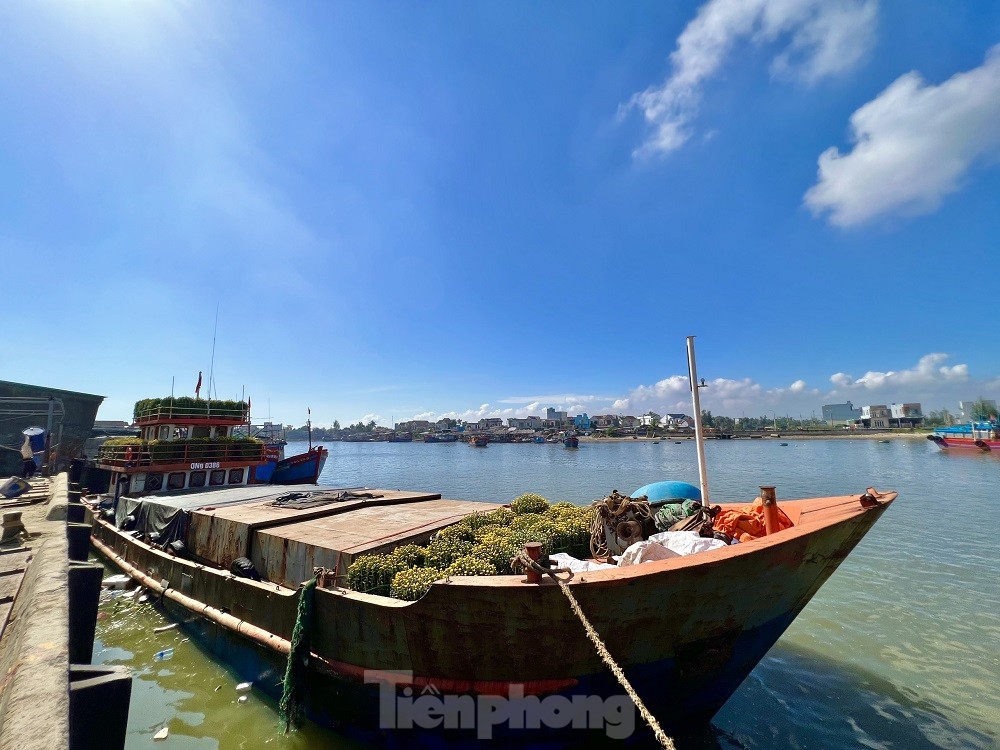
column 304, row 468
column 571, row 441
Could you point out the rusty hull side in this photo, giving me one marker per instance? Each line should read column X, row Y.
column 270, row 607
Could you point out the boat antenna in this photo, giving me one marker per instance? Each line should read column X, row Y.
column 309, row 426
column 211, row 367
column 699, row 438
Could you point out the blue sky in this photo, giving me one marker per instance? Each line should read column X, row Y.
column 484, row 209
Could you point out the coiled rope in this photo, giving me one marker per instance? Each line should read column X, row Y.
column 524, row 561
column 611, row 510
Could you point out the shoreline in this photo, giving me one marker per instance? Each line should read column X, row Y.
column 848, row 435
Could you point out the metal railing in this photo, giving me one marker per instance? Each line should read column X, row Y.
column 180, row 452
column 200, row 413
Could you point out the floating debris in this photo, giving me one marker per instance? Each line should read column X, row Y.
column 116, row 581
column 241, row 699
column 243, row 687
column 164, row 628
column 163, row 655
column 162, row 734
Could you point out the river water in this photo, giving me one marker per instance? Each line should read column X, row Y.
column 899, row 649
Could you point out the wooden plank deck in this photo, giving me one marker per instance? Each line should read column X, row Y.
column 287, row 554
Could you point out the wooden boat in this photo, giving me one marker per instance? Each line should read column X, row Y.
column 440, row 437
column 982, row 436
column 479, row 441
column 685, row 630
column 571, row 441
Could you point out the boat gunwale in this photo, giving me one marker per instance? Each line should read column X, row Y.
column 831, row 517
column 706, row 558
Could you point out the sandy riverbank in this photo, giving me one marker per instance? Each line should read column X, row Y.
column 783, row 436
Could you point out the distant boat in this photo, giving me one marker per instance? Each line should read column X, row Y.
column 984, row 436
column 571, row 441
column 304, row 468
column 656, row 442
column 440, row 437
column 401, row 437
column 782, row 443
column 539, row 439
column 479, row 441
column 883, row 441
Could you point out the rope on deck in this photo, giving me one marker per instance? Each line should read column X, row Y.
column 524, row 561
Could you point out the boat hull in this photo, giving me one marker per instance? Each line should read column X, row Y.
column 687, row 631
column 303, row 468
column 977, row 444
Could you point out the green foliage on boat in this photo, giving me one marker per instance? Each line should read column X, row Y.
column 529, row 502
column 481, row 544
column 191, row 449
column 185, row 406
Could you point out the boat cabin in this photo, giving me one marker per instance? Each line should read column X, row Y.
column 183, row 444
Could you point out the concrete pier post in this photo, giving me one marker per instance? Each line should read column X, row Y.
column 84, row 596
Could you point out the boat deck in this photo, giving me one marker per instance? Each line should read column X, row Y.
column 289, row 532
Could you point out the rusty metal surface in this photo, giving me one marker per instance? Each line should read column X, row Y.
column 287, row 554
column 221, row 533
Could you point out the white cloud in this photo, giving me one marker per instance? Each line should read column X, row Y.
column 827, row 37
column 928, row 371
column 913, row 145
column 931, row 380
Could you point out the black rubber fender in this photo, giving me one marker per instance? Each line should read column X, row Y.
column 244, row 568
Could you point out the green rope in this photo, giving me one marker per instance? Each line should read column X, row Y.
column 292, row 705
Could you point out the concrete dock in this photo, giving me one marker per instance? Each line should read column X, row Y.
column 51, row 698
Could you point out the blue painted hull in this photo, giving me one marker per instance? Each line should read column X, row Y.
column 304, row 468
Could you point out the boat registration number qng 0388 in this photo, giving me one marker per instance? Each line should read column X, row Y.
column 206, row 465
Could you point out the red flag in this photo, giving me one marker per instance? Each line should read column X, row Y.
column 197, row 388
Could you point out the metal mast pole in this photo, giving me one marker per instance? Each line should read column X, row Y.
column 698, row 437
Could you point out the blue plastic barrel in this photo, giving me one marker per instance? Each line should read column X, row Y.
column 36, row 437
column 668, row 490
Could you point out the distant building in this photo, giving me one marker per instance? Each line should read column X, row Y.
column 906, row 415
column 525, row 423
column 840, row 413
column 876, row 415
column 604, row 420
column 678, row 421
column 414, row 425
column 582, row 421
column 555, row 416
column 489, row 423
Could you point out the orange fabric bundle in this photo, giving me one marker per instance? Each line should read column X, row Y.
column 748, row 522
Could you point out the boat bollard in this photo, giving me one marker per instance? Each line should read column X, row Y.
column 770, row 502
column 534, row 552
